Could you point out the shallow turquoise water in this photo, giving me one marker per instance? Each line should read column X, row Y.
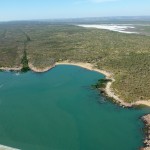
column 58, row 110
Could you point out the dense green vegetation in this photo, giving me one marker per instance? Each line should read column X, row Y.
column 24, row 63
column 102, row 83
column 125, row 55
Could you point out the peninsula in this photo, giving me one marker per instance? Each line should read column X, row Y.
column 123, row 58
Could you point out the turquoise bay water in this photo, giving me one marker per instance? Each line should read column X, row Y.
column 58, row 110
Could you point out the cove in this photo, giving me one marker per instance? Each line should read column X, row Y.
column 58, row 110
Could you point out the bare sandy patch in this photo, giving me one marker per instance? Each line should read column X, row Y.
column 111, row 27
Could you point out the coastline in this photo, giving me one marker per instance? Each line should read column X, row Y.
column 146, row 120
column 11, row 69
column 40, row 70
column 108, row 90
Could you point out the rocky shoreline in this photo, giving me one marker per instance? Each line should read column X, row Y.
column 108, row 91
column 146, row 120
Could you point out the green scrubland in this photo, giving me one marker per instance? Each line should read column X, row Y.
column 127, row 56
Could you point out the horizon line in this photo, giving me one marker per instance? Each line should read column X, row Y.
column 73, row 18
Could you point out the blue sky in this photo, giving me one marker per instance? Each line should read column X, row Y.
column 50, row 9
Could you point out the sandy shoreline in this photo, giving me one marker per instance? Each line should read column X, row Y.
column 110, row 93
column 40, row 70
column 11, row 69
column 108, row 89
column 86, row 66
